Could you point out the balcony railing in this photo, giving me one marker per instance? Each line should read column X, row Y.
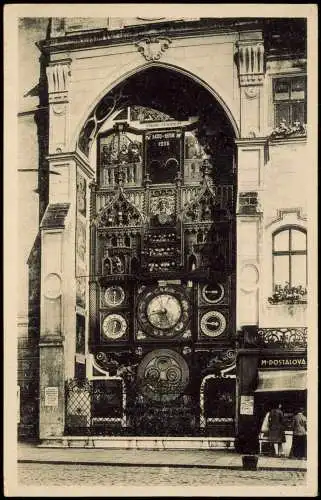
column 286, row 338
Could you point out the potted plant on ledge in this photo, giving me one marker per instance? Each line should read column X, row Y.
column 285, row 130
column 288, row 294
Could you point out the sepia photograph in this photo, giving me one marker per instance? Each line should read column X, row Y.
column 160, row 258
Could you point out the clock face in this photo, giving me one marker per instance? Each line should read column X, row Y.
column 213, row 293
column 114, row 326
column 163, row 311
column 114, row 296
column 213, row 324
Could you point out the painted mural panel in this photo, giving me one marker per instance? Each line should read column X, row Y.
column 80, row 334
column 81, row 291
column 81, row 195
column 81, row 241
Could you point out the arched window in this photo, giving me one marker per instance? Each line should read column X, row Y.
column 289, row 254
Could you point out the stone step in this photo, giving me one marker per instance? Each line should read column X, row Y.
column 139, row 442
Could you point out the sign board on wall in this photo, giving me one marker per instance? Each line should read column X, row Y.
column 283, row 362
column 51, row 396
column 247, row 405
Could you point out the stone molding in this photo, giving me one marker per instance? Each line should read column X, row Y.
column 281, row 213
column 51, row 341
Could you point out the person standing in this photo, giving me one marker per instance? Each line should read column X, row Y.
column 264, row 435
column 299, row 442
column 276, row 429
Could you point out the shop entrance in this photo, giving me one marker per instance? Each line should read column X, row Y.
column 291, row 401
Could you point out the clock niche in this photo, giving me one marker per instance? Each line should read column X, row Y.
column 162, row 235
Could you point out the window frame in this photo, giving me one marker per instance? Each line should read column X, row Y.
column 289, row 252
column 289, row 101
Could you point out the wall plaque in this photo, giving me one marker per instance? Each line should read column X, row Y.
column 51, row 396
column 247, row 405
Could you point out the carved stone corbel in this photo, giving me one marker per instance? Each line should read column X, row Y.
column 152, row 48
column 250, row 62
column 58, row 75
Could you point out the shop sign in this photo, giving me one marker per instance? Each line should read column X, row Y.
column 51, row 396
column 247, row 405
column 283, row 362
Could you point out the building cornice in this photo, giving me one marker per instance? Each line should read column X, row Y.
column 132, row 34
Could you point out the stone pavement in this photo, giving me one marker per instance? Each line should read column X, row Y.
column 210, row 459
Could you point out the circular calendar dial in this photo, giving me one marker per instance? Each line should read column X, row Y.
column 114, row 296
column 213, row 293
column 213, row 324
column 114, row 326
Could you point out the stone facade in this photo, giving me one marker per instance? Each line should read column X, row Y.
column 84, row 73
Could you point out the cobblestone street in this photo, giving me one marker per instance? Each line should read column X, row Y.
column 34, row 474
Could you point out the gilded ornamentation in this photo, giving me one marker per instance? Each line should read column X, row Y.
column 119, row 212
column 152, row 48
column 201, row 208
column 162, row 205
column 137, row 198
column 141, row 113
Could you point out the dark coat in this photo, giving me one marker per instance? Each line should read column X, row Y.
column 276, row 426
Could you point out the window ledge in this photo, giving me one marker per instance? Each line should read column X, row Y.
column 287, row 303
column 287, row 140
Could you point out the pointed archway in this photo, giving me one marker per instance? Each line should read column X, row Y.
column 165, row 146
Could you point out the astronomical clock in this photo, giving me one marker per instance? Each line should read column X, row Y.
column 162, row 287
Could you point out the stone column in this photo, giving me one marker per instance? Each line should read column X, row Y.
column 250, row 63
column 51, row 344
column 252, row 156
column 60, row 230
column 64, row 238
column 251, row 161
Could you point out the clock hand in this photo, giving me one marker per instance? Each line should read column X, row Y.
column 157, row 312
column 161, row 302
